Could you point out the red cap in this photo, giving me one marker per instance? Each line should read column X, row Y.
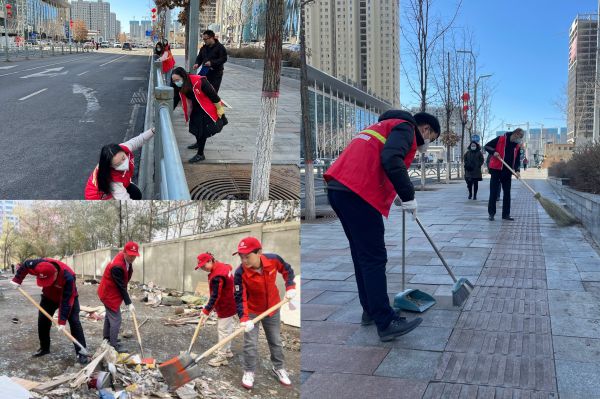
column 132, row 248
column 45, row 274
column 248, row 245
column 203, row 259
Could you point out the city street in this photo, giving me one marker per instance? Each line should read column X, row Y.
column 57, row 113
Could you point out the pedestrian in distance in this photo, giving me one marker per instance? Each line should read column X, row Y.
column 212, row 56
column 59, row 292
column 525, row 163
column 255, row 292
column 222, row 301
column 112, row 291
column 506, row 147
column 112, row 177
column 202, row 108
column 473, row 161
column 361, row 186
column 12, row 268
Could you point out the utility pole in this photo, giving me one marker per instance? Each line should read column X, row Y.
column 193, row 22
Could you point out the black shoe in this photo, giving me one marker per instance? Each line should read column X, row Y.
column 193, row 147
column 508, row 218
column 491, row 218
column 82, row 359
column 469, row 196
column 366, row 320
column 197, row 158
column 498, row 199
column 474, row 198
column 41, row 352
column 398, row 328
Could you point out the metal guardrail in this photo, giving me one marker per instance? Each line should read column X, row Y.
column 30, row 51
column 436, row 170
column 168, row 175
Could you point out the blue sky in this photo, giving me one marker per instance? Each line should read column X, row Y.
column 525, row 44
column 126, row 10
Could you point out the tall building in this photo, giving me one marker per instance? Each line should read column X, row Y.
column 96, row 15
column 7, row 214
column 581, row 80
column 134, row 30
column 144, row 27
column 112, row 31
column 357, row 41
column 36, row 19
column 118, row 29
column 208, row 15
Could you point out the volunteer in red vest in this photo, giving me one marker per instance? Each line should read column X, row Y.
column 59, row 291
column 361, row 186
column 113, row 290
column 507, row 148
column 163, row 52
column 202, row 108
column 111, row 179
column 220, row 283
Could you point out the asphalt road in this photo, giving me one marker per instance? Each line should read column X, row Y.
column 56, row 113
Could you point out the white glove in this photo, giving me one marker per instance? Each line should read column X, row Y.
column 61, row 328
column 131, row 307
column 248, row 325
column 15, row 285
column 411, row 207
column 290, row 294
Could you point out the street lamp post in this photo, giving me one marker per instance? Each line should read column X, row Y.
column 475, row 102
column 5, row 8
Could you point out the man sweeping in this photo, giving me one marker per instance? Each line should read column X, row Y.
column 59, row 291
column 255, row 292
column 113, row 291
column 220, row 283
column 361, row 186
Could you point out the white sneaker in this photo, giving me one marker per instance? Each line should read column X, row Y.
column 283, row 377
column 219, row 360
column 248, row 379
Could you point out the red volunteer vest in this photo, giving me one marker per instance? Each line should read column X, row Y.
column 107, row 291
column 359, row 165
column 202, row 99
column 91, row 189
column 225, row 304
column 169, row 63
column 495, row 163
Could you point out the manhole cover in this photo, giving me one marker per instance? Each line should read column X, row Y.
column 233, row 183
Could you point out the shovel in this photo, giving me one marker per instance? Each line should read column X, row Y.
column 411, row 299
column 82, row 350
column 183, row 368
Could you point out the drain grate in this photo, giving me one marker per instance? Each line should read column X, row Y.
column 233, row 183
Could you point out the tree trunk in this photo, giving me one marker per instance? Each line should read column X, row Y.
column 187, row 36
column 261, row 167
column 309, row 179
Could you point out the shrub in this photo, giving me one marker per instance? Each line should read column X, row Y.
column 583, row 169
column 258, row 53
column 558, row 169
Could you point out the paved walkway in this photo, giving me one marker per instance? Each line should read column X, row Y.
column 531, row 328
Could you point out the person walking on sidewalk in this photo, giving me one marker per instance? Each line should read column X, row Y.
column 59, row 291
column 212, row 56
column 255, row 292
column 504, row 147
column 202, row 108
column 361, row 186
column 112, row 291
column 525, row 163
column 473, row 160
column 112, row 177
column 220, row 283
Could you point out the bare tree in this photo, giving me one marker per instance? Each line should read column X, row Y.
column 464, row 72
column 261, row 166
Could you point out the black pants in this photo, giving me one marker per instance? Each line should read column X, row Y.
column 215, row 78
column 472, row 186
column 201, row 141
column 134, row 192
column 499, row 179
column 364, row 229
column 44, row 324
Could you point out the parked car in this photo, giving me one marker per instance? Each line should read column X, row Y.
column 126, row 46
column 89, row 45
column 104, row 45
column 117, row 45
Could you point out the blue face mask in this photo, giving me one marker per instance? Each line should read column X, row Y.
column 179, row 83
column 518, row 141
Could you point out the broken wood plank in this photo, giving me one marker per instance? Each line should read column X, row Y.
column 27, row 384
column 85, row 373
column 91, row 309
column 48, row 385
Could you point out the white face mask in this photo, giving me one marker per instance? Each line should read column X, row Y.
column 473, row 147
column 423, row 148
column 124, row 166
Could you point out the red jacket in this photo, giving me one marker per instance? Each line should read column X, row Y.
column 256, row 291
column 110, row 291
column 359, row 166
column 64, row 289
column 91, row 189
column 202, row 99
column 220, row 282
column 169, row 63
column 495, row 163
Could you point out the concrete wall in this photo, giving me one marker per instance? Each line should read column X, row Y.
column 584, row 206
column 170, row 264
column 289, row 72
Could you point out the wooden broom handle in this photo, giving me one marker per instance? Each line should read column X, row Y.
column 241, row 329
column 198, row 326
column 518, row 178
column 137, row 333
column 67, row 334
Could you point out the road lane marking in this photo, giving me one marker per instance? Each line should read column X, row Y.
column 134, row 78
column 39, row 67
column 33, row 94
column 118, row 58
column 46, row 74
column 92, row 102
column 82, row 73
column 9, row 67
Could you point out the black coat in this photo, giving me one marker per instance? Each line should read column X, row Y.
column 473, row 160
column 216, row 54
column 198, row 118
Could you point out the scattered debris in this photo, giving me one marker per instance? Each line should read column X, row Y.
column 11, row 389
column 15, row 320
column 193, row 300
column 179, row 310
column 171, row 301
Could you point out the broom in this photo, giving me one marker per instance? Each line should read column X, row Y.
column 555, row 211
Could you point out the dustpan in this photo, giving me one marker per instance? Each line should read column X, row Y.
column 410, row 299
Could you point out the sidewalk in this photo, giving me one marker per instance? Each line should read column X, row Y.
column 229, row 154
column 530, row 329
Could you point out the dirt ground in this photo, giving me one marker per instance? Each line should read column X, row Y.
column 20, row 340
